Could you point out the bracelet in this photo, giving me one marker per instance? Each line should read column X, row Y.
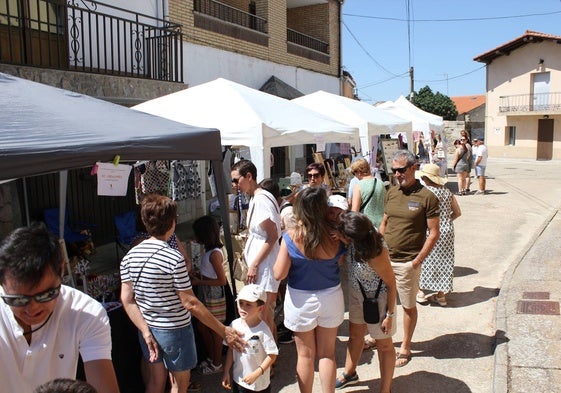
column 390, row 314
column 262, row 370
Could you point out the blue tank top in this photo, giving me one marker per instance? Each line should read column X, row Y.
column 312, row 274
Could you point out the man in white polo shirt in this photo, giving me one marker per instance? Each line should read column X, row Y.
column 44, row 325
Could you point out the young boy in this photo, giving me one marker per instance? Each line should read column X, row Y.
column 251, row 368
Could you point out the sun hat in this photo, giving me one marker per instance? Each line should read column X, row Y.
column 252, row 293
column 338, row 201
column 432, row 171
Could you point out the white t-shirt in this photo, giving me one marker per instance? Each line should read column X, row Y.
column 260, row 344
column 482, row 152
column 78, row 325
column 262, row 207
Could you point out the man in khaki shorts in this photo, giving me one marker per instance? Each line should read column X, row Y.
column 411, row 210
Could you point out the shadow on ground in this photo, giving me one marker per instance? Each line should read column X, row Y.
column 462, row 271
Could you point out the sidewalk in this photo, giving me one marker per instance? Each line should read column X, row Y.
column 507, row 244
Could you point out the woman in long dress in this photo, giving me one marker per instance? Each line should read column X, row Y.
column 437, row 270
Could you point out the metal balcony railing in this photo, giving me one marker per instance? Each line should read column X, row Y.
column 229, row 14
column 90, row 36
column 305, row 40
column 539, row 102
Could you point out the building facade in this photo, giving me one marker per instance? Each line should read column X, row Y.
column 523, row 105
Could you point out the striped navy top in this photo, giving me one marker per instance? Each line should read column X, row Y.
column 163, row 274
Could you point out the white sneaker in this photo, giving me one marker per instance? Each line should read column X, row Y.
column 211, row 369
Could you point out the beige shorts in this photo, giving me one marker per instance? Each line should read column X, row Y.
column 407, row 280
column 356, row 314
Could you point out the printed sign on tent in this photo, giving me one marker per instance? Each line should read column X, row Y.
column 112, row 180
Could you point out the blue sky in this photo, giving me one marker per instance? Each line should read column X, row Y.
column 445, row 36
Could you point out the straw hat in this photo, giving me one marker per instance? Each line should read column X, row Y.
column 432, row 171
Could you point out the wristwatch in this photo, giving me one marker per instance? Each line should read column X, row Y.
column 390, row 314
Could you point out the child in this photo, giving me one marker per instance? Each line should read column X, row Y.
column 211, row 289
column 251, row 368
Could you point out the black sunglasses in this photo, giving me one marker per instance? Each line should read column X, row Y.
column 314, row 175
column 236, row 181
column 23, row 300
column 401, row 170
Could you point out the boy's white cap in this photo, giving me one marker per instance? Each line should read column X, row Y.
column 252, row 293
column 295, row 179
column 338, row 201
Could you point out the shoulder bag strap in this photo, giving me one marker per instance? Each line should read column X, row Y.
column 363, row 205
column 377, row 289
column 144, row 264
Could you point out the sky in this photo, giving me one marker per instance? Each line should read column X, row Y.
column 382, row 39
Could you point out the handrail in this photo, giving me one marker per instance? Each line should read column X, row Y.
column 537, row 102
column 230, row 14
column 307, row 41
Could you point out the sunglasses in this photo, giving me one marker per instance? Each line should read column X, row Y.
column 236, row 181
column 401, row 170
column 23, row 300
column 313, row 175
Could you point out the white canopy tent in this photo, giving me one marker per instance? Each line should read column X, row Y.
column 368, row 119
column 427, row 123
column 249, row 117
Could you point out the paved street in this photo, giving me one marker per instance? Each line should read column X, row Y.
column 497, row 236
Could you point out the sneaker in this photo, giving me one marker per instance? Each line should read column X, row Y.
column 211, row 369
column 347, row 380
column 286, row 337
column 480, row 192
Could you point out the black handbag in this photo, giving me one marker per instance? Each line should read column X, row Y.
column 370, row 309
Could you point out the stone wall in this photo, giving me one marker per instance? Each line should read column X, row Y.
column 117, row 89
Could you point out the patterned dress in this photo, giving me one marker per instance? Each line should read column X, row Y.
column 437, row 270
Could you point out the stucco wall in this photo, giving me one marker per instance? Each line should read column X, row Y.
column 511, row 75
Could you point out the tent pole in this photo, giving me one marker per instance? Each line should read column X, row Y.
column 63, row 177
column 26, row 201
column 218, row 170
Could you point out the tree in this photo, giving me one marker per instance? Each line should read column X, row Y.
column 438, row 104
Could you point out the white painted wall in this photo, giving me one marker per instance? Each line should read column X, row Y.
column 203, row 64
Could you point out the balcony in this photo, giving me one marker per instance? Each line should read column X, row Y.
column 221, row 18
column 530, row 104
column 92, row 37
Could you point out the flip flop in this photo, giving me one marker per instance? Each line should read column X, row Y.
column 402, row 359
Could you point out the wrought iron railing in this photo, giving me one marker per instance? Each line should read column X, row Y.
column 230, row 14
column 539, row 102
column 90, row 36
column 305, row 40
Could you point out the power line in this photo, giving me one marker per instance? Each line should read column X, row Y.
column 452, row 77
column 368, row 53
column 455, row 19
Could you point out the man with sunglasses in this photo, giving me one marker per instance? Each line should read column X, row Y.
column 411, row 212
column 45, row 325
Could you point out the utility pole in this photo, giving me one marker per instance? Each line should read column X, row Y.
column 445, row 75
column 412, row 85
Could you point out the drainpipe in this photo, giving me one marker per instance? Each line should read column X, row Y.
column 340, row 59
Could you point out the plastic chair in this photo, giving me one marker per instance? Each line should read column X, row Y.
column 126, row 231
column 51, row 219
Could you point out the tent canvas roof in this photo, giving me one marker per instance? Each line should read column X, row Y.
column 44, row 129
column 249, row 117
column 369, row 119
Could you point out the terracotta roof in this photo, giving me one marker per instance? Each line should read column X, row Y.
column 465, row 104
column 527, row 38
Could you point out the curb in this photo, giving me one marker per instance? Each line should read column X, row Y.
column 501, row 377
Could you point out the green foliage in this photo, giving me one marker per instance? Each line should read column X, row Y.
column 438, row 104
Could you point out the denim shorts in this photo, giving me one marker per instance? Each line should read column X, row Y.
column 479, row 170
column 176, row 348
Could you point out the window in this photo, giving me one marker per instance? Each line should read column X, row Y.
column 511, row 134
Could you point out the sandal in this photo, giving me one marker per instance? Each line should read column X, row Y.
column 194, row 386
column 369, row 344
column 347, row 380
column 402, row 359
column 421, row 298
column 441, row 301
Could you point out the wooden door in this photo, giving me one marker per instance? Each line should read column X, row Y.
column 545, row 139
column 33, row 32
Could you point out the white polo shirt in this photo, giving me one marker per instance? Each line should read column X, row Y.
column 78, row 325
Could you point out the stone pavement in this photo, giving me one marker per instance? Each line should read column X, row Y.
column 495, row 334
